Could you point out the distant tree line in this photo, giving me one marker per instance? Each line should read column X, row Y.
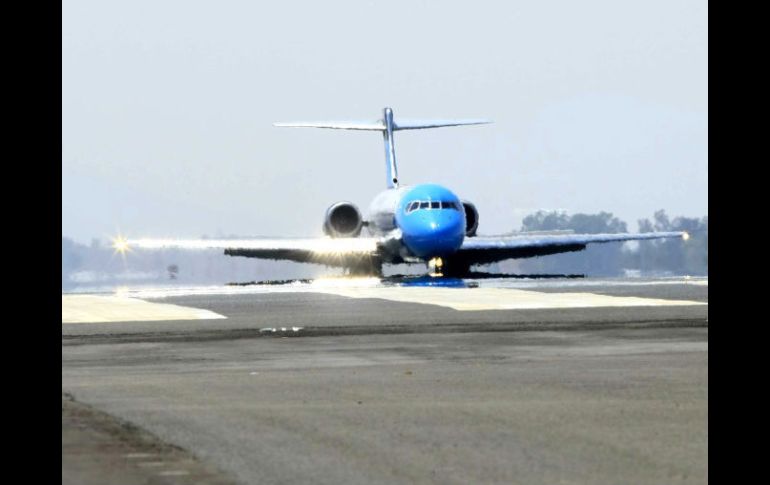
column 671, row 255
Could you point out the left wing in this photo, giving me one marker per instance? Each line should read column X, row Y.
column 490, row 249
column 331, row 252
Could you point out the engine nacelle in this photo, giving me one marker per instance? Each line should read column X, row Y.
column 343, row 219
column 471, row 218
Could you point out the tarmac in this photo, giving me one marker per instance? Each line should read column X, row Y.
column 353, row 381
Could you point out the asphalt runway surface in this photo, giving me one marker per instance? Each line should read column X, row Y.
column 317, row 385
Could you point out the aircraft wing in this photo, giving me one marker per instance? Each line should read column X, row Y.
column 326, row 251
column 489, row 249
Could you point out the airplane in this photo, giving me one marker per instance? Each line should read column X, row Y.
column 418, row 224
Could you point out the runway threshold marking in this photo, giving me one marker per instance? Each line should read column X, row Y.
column 98, row 309
column 474, row 299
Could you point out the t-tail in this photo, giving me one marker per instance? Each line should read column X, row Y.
column 387, row 125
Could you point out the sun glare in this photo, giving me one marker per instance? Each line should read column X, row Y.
column 120, row 245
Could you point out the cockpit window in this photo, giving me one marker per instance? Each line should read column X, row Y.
column 424, row 204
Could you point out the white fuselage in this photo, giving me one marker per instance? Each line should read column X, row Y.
column 382, row 210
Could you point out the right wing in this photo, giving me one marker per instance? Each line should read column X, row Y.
column 342, row 252
column 490, row 249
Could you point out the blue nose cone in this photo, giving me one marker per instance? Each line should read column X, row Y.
column 432, row 221
column 437, row 236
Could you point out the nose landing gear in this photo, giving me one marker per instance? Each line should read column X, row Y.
column 438, row 267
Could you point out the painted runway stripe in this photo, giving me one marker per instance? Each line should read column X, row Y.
column 356, row 282
column 174, row 473
column 97, row 309
column 500, row 299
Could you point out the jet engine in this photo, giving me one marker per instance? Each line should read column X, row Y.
column 471, row 218
column 343, row 219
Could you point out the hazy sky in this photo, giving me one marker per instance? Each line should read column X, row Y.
column 167, row 110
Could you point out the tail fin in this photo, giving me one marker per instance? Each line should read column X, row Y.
column 387, row 126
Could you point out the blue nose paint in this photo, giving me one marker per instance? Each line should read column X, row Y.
column 432, row 221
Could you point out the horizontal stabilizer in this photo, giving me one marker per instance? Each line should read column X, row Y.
column 379, row 125
column 387, row 125
column 422, row 124
column 337, row 125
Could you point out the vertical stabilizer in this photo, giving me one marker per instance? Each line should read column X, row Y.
column 390, row 149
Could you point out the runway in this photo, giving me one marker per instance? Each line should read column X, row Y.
column 573, row 381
